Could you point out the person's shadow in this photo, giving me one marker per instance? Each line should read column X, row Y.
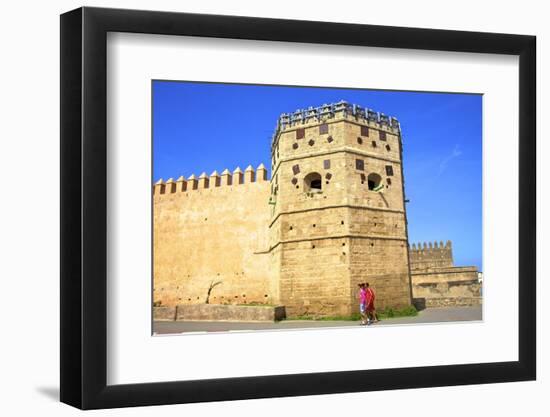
column 50, row 392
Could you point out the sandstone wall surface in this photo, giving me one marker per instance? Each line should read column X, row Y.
column 448, row 274
column 213, row 233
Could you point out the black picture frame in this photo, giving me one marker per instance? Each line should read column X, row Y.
column 84, row 207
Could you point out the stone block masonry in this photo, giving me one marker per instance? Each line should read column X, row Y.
column 212, row 230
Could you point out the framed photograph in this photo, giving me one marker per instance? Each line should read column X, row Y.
column 257, row 208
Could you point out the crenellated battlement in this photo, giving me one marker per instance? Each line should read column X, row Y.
column 429, row 255
column 333, row 111
column 427, row 246
column 212, row 181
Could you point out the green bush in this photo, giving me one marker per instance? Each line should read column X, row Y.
column 389, row 313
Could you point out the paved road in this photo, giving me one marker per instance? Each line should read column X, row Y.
column 430, row 315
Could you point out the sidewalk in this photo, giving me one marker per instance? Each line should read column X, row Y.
column 430, row 315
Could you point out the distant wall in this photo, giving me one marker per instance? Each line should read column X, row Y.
column 453, row 301
column 448, row 274
column 436, row 282
column 427, row 256
column 449, row 286
column 212, row 229
column 447, row 289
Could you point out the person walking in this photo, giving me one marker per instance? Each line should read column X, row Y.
column 369, row 300
column 363, row 303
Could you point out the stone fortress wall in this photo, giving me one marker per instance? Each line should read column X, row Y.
column 431, row 256
column 436, row 282
column 212, row 229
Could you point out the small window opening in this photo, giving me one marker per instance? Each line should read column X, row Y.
column 382, row 135
column 364, row 131
column 330, row 139
column 360, row 164
column 300, row 133
column 359, row 141
column 323, row 129
column 388, row 148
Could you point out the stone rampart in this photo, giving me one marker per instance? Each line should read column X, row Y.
column 212, row 231
column 428, row 255
column 436, row 282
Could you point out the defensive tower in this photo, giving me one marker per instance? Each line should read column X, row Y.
column 338, row 212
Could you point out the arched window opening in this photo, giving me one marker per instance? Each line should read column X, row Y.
column 313, row 182
column 374, row 181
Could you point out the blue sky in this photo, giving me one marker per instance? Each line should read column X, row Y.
column 201, row 127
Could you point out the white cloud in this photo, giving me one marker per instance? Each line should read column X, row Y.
column 445, row 162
